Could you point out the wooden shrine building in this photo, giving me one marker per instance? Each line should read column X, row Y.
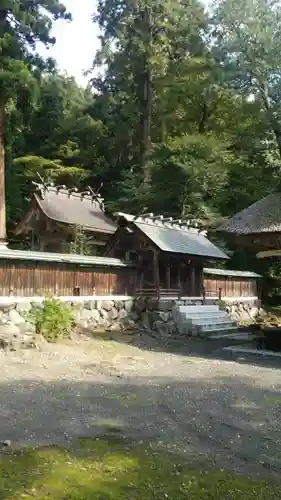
column 169, row 254
column 258, row 226
column 56, row 215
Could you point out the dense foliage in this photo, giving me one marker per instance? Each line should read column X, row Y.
column 183, row 117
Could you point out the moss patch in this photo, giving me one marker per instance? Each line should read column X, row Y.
column 115, row 469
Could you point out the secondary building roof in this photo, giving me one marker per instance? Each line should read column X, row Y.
column 230, row 272
column 70, row 207
column 172, row 236
column 263, row 216
column 83, row 260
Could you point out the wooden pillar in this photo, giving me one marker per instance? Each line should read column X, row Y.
column 168, row 275
column 201, row 284
column 140, row 271
column 156, row 272
column 179, row 276
column 193, row 281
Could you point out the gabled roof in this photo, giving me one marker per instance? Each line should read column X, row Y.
column 263, row 216
column 171, row 236
column 73, row 208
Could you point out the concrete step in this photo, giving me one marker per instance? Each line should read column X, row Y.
column 219, row 330
column 215, row 314
column 198, row 309
column 217, row 327
column 207, row 319
column 230, row 336
column 213, row 322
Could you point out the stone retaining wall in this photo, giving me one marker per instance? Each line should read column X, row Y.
column 110, row 314
column 92, row 315
column 242, row 310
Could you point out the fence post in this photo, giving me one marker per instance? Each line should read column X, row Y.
column 220, row 293
column 204, row 294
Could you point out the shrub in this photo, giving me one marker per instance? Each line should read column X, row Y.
column 54, row 321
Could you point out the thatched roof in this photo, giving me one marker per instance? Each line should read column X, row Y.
column 263, row 216
column 70, row 207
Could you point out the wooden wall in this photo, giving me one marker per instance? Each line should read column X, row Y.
column 231, row 286
column 39, row 279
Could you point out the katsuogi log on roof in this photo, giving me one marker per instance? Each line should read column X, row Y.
column 57, row 210
column 169, row 253
column 174, row 236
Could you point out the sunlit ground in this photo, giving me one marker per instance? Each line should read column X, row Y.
column 114, row 469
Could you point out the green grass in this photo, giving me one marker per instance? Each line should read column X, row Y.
column 113, row 469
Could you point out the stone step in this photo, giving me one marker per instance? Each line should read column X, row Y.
column 198, row 309
column 217, row 326
column 206, row 331
column 207, row 319
column 230, row 336
column 220, row 314
column 213, row 321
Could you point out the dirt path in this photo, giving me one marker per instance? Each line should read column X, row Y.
column 225, row 412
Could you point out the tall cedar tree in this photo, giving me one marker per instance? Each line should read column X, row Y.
column 22, row 24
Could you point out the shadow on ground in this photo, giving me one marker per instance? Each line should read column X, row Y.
column 188, row 346
column 229, row 422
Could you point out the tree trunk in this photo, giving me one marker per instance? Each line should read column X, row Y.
column 146, row 111
column 3, row 236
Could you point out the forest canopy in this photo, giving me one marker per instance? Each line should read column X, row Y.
column 181, row 115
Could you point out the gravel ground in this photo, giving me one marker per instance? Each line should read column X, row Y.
column 212, row 410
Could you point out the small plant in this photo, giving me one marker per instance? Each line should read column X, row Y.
column 54, row 321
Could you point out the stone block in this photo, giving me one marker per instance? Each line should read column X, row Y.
column 164, row 316
column 37, row 305
column 161, row 328
column 152, row 304
column 99, row 304
column 129, row 305
column 166, row 305
column 172, row 328
column 95, row 315
column 90, row 305
column 82, row 323
column 118, row 304
column 107, row 305
column 86, row 314
column 128, row 324
column 112, row 314
column 146, row 320
column 15, row 317
column 122, row 314
column 116, row 327
column 3, row 318
column 27, row 328
column 140, row 305
column 9, row 331
column 103, row 314
column 7, row 306
column 23, row 307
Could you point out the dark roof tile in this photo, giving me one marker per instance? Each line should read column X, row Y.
column 73, row 208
